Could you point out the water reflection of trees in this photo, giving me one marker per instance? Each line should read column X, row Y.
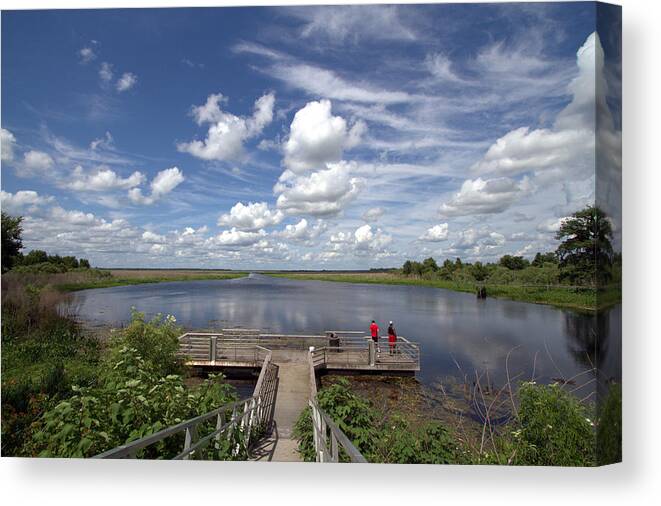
column 589, row 337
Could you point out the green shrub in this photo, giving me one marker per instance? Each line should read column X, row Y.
column 402, row 443
column 303, row 433
column 156, row 342
column 552, row 429
column 130, row 401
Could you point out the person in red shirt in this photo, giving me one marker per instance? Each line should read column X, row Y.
column 392, row 339
column 374, row 331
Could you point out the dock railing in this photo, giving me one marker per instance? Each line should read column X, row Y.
column 330, row 443
column 352, row 352
column 238, row 424
column 336, row 349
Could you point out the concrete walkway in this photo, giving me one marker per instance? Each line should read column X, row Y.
column 292, row 398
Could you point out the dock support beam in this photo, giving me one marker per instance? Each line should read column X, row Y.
column 372, row 352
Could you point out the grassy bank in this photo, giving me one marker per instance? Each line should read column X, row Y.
column 570, row 297
column 83, row 279
column 43, row 354
column 123, row 277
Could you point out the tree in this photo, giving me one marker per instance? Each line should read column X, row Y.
column 70, row 262
column 457, row 263
column 544, row 258
column 479, row 271
column 586, row 253
column 11, row 240
column 513, row 263
column 36, row 256
column 429, row 265
column 84, row 263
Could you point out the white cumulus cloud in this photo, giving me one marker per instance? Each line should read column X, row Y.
column 302, row 231
column 102, row 179
column 227, row 132
column 317, row 137
column 251, row 216
column 164, row 182
column 488, row 196
column 567, row 149
column 22, row 200
column 235, row 237
column 153, row 238
column 7, row 143
column 35, row 163
column 436, row 233
column 322, row 193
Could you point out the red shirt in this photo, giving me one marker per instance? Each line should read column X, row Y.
column 374, row 328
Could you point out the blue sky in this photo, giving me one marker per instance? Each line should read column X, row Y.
column 306, row 137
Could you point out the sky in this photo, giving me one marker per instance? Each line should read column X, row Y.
column 332, row 137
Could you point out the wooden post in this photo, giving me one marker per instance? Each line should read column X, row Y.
column 212, row 352
column 191, row 437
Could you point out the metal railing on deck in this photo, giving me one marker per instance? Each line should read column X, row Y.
column 329, row 440
column 351, row 352
column 241, row 422
column 337, row 349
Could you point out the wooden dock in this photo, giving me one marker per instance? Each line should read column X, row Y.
column 346, row 351
column 289, row 366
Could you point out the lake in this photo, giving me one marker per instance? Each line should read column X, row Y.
column 458, row 334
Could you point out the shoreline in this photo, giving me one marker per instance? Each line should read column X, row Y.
column 581, row 300
column 563, row 298
column 146, row 277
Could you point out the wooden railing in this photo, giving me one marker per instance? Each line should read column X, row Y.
column 239, row 423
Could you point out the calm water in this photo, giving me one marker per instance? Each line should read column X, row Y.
column 449, row 326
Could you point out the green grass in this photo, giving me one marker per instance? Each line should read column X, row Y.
column 582, row 299
column 123, row 281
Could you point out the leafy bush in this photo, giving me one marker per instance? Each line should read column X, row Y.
column 130, row 402
column 155, row 341
column 552, row 428
column 403, row 443
column 304, row 434
column 135, row 394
